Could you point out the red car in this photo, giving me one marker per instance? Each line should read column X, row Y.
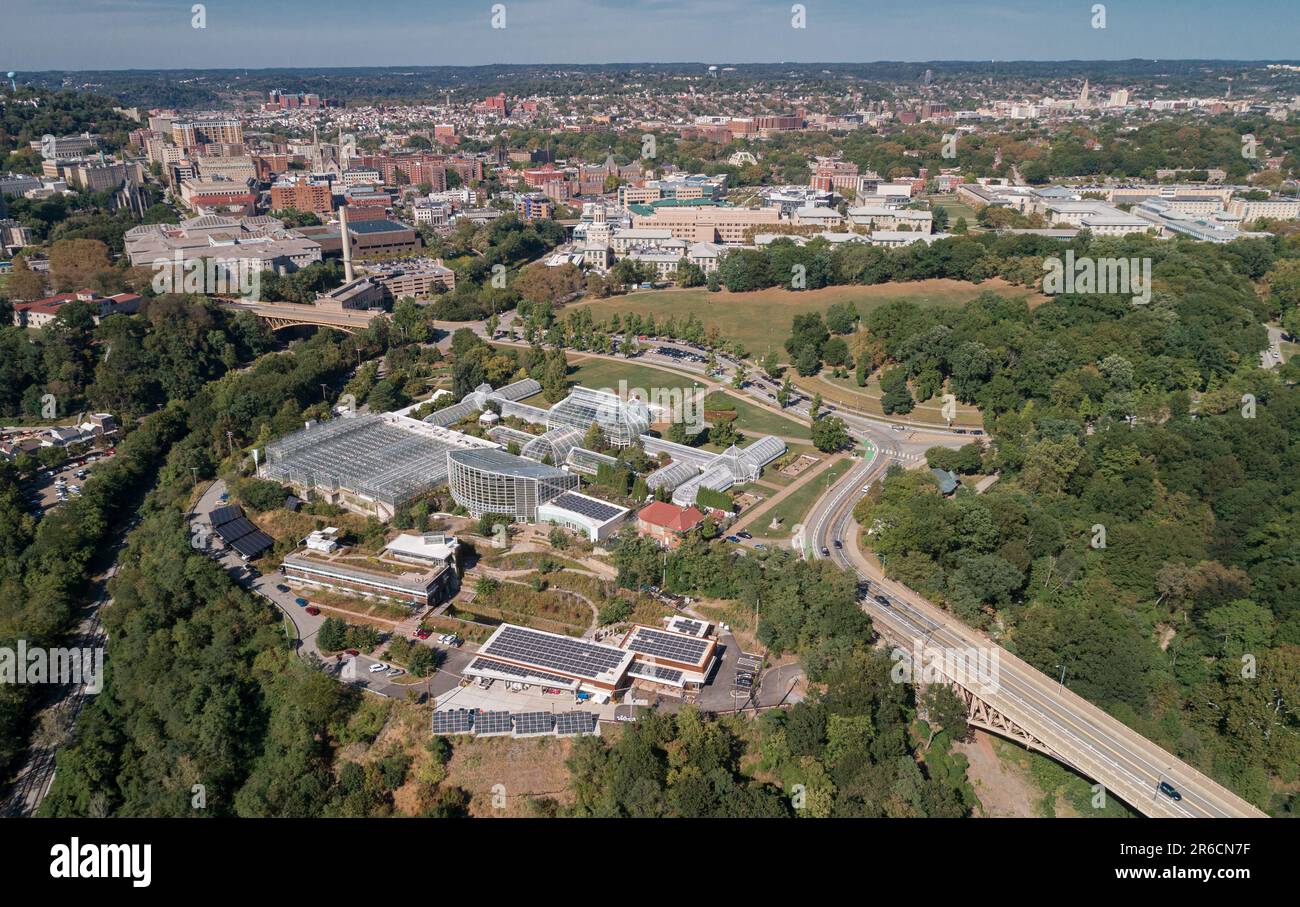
column 313, row 610
column 422, row 634
column 352, row 651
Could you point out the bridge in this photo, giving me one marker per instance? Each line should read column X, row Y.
column 279, row 315
column 1021, row 704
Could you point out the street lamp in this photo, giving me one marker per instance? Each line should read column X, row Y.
column 1060, row 687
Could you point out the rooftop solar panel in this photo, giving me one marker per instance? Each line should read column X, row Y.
column 671, row 646
column 488, row 723
column 656, row 672
column 576, row 657
column 458, row 721
column 534, row 723
column 597, row 510
column 501, row 667
column 568, row 724
column 686, row 625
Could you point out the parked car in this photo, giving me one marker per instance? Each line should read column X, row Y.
column 393, row 672
column 734, row 539
column 313, row 610
column 301, row 602
column 281, row 588
column 377, row 667
column 353, row 652
column 744, row 535
column 454, row 641
column 423, row 634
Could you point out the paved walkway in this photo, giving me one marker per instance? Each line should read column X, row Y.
column 766, row 506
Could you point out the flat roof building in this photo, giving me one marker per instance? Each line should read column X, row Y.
column 345, row 569
column 594, row 518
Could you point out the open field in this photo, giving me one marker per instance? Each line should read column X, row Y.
column 761, row 320
column 955, row 210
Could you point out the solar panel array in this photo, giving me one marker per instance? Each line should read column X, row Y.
column 655, row 672
column 501, row 667
column 493, row 723
column 534, row 723
column 558, row 653
column 597, row 510
column 486, row 724
column 568, row 724
column 457, row 721
column 235, row 529
column 672, row 646
column 253, row 544
column 223, row 515
column 686, row 625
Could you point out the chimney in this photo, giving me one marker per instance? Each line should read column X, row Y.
column 347, row 243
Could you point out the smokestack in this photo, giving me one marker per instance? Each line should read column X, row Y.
column 347, row 243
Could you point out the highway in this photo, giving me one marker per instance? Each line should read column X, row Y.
column 1069, row 727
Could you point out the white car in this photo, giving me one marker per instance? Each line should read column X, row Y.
column 377, row 667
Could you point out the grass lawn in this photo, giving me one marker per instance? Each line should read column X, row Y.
column 762, row 319
column 1288, row 349
column 795, row 507
column 752, row 421
column 955, row 210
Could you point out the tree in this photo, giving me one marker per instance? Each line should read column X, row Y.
column 76, row 263
column 944, row 711
column 24, row 283
column 594, row 439
column 831, row 434
column 841, row 318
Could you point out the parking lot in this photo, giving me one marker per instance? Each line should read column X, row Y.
column 52, row 487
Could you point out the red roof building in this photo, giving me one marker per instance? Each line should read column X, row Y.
column 667, row 523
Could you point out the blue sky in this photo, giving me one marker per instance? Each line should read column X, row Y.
column 144, row 34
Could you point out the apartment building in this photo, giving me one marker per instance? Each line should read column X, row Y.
column 708, row 223
column 188, row 133
column 302, row 194
column 1273, row 208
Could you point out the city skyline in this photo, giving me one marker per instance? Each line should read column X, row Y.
column 327, row 34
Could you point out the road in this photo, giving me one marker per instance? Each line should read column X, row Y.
column 1073, row 729
column 1272, row 357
